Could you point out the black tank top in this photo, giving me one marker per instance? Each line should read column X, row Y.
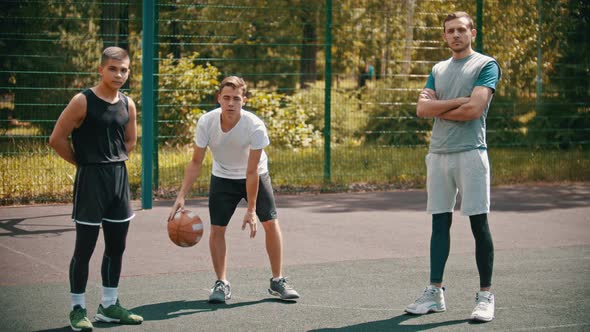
column 101, row 137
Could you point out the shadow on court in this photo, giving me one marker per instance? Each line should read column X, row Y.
column 357, row 259
column 394, row 324
column 59, row 329
column 10, row 226
column 173, row 309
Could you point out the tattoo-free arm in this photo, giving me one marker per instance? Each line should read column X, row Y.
column 70, row 119
column 131, row 128
column 252, row 178
column 429, row 106
column 191, row 173
column 478, row 101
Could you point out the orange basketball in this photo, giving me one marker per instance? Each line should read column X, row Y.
column 186, row 229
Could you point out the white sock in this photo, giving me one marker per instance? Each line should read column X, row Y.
column 109, row 296
column 78, row 299
column 277, row 278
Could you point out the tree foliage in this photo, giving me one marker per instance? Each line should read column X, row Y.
column 183, row 86
column 51, row 51
column 393, row 119
column 260, row 40
column 287, row 122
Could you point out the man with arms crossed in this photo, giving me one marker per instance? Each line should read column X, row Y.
column 237, row 139
column 457, row 95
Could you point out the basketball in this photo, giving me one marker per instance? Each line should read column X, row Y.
column 186, row 229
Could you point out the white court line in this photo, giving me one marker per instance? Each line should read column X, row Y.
column 60, row 271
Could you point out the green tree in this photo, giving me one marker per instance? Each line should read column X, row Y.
column 563, row 118
column 287, row 123
column 52, row 51
column 183, row 85
column 30, row 58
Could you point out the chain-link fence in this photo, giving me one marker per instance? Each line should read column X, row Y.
column 362, row 63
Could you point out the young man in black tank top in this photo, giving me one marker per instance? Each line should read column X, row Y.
column 102, row 123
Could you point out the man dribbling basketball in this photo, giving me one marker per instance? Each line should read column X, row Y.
column 237, row 139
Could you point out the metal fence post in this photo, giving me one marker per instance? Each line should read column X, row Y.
column 479, row 35
column 327, row 93
column 147, row 103
column 539, row 56
column 156, row 167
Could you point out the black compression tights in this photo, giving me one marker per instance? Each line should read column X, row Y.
column 484, row 248
column 440, row 244
column 115, row 235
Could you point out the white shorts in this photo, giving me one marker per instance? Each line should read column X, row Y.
column 466, row 173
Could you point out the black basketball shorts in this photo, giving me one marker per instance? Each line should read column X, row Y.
column 101, row 193
column 225, row 194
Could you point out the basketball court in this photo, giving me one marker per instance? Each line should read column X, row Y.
column 356, row 259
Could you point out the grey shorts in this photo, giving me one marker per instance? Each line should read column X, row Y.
column 225, row 194
column 466, row 173
column 101, row 193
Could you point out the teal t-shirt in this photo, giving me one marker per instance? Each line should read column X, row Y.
column 488, row 77
column 457, row 78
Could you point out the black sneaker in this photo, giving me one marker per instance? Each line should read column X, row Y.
column 282, row 289
column 220, row 292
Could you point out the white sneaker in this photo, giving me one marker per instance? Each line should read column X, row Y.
column 484, row 307
column 432, row 300
column 220, row 292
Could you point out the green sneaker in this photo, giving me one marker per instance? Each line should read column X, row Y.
column 78, row 319
column 117, row 314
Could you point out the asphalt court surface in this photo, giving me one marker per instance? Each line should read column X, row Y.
column 356, row 258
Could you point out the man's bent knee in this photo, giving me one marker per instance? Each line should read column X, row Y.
column 218, row 230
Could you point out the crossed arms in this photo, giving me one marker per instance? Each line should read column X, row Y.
column 456, row 109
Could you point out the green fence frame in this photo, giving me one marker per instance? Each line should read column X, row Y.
column 384, row 151
column 147, row 95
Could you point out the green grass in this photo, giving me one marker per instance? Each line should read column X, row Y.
column 41, row 176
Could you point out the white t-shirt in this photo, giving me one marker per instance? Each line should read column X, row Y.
column 231, row 149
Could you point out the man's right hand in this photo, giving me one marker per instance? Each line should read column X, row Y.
column 178, row 205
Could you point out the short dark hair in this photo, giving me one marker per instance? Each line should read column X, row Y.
column 456, row 15
column 113, row 52
column 235, row 82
